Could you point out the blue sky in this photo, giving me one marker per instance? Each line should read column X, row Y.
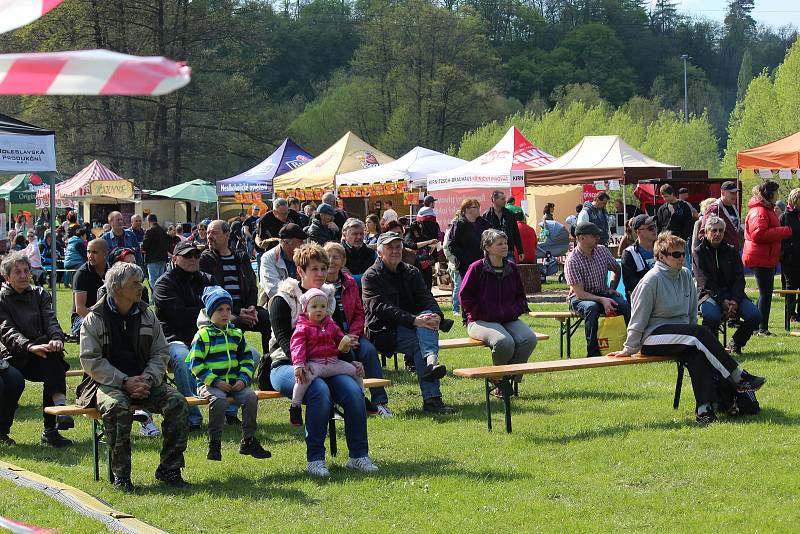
column 769, row 12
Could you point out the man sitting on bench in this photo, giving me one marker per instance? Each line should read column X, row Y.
column 586, row 271
column 664, row 323
column 125, row 354
column 719, row 274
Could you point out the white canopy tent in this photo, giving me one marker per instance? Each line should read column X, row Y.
column 414, row 167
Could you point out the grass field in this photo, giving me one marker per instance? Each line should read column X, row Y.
column 592, row 450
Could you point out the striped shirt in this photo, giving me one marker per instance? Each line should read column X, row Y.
column 221, row 354
column 230, row 280
column 591, row 271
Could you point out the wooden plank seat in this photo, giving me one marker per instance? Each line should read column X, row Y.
column 504, row 373
column 459, row 343
column 787, row 314
column 98, row 434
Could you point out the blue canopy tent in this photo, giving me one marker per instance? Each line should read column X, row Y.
column 287, row 157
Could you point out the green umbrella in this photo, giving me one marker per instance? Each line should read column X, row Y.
column 196, row 190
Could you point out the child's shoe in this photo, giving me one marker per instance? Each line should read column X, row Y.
column 251, row 447
column 296, row 415
column 214, row 450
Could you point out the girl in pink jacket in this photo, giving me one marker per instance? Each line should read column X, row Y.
column 315, row 346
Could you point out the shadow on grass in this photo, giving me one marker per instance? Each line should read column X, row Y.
column 258, row 488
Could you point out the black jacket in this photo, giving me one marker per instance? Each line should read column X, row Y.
column 465, row 241
column 634, row 267
column 269, row 225
column 320, row 233
column 382, row 302
column 156, row 244
column 211, row 263
column 677, row 218
column 725, row 283
column 790, row 248
column 359, row 259
column 177, row 297
column 26, row 319
column 509, row 226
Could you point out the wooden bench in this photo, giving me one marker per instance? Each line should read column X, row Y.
column 566, row 328
column 459, row 343
column 98, row 433
column 504, row 374
column 787, row 314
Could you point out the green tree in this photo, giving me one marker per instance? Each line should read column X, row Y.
column 745, row 75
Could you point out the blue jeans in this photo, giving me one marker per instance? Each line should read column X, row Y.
column 591, row 312
column 154, row 270
column 688, row 258
column 455, row 275
column 420, row 343
column 751, row 317
column 765, row 280
column 76, row 326
column 367, row 354
column 320, row 398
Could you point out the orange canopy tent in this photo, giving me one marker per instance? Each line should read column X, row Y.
column 781, row 154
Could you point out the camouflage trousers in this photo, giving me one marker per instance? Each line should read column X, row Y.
column 115, row 408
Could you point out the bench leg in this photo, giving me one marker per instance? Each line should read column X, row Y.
column 561, row 333
column 383, row 360
column 786, row 313
column 507, row 391
column 571, row 329
column 332, row 433
column 678, row 386
column 395, row 361
column 95, row 449
column 489, row 388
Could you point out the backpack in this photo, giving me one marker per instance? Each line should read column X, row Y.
column 732, row 402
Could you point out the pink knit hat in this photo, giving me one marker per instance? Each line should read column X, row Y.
column 310, row 294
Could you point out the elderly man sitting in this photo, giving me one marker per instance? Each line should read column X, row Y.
column 402, row 315
column 586, row 271
column 124, row 353
column 359, row 256
column 719, row 274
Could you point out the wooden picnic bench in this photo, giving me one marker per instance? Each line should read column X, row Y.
column 787, row 314
column 458, row 343
column 504, row 373
column 98, row 432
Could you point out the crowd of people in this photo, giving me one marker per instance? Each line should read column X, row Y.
column 330, row 292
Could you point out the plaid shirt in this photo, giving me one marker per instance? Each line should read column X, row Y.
column 591, row 271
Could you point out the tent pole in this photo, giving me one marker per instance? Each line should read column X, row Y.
column 53, row 235
column 624, row 208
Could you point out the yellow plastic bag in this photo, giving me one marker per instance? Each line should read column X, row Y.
column 611, row 333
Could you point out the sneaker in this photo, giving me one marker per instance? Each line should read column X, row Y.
column 317, row 468
column 435, row 405
column 371, row 408
column 5, row 439
column 124, row 484
column 750, row 382
column 296, row 415
column 363, row 464
column 232, row 420
column 149, row 429
column 706, row 418
column 214, row 450
column 434, row 372
column 383, row 411
column 733, row 349
column 764, row 333
column 50, row 436
column 141, row 416
column 64, row 422
column 171, row 477
column 251, row 447
column 456, row 313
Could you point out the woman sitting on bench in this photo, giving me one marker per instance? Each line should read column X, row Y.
column 492, row 299
column 664, row 323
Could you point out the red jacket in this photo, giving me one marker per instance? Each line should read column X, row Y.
column 353, row 308
column 762, row 236
column 529, row 242
column 315, row 342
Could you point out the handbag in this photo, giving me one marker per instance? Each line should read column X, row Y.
column 611, row 333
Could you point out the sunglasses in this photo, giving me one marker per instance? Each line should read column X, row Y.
column 675, row 255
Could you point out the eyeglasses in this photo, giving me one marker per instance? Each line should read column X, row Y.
column 676, row 254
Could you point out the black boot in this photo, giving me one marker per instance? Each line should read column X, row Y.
column 251, row 447
column 214, row 450
column 50, row 436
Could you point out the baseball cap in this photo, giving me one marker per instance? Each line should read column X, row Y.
column 326, row 210
column 185, row 248
column 682, row 190
column 292, row 231
column 388, row 237
column 642, row 220
column 587, row 228
column 730, row 185
column 428, row 200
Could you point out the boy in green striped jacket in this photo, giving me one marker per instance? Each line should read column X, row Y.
column 222, row 361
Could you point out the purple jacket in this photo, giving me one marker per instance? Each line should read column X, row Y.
column 486, row 296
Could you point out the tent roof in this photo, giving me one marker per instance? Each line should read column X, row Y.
column 512, row 155
column 259, row 179
column 78, row 185
column 598, row 157
column 21, row 182
column 781, row 154
column 415, row 166
column 349, row 153
column 195, row 190
column 14, row 126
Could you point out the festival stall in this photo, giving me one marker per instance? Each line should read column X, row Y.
column 318, row 176
column 781, row 156
column 404, row 175
column 19, row 193
column 500, row 168
column 96, row 190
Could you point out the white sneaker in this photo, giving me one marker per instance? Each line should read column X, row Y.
column 318, row 469
column 363, row 464
column 384, row 411
column 149, row 429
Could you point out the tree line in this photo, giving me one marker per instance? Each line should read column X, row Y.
column 399, row 73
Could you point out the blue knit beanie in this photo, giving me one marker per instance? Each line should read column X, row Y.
column 213, row 296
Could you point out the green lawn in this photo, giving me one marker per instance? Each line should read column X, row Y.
column 592, row 450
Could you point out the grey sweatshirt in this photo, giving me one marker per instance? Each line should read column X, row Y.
column 663, row 296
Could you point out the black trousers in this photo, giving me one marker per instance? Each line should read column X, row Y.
column 699, row 349
column 51, row 371
column 12, row 383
